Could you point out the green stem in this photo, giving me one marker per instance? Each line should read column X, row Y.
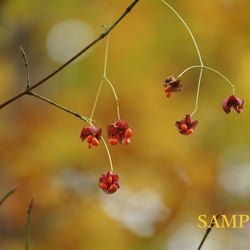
column 197, row 93
column 27, row 229
column 104, row 77
column 209, row 68
column 95, row 102
column 217, row 72
column 108, row 38
column 197, row 50
column 188, row 29
column 116, row 98
column 86, row 119
column 191, row 67
column 109, row 156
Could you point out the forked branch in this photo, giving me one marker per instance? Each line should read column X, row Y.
column 100, row 37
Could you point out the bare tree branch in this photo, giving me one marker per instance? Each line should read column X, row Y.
column 100, row 37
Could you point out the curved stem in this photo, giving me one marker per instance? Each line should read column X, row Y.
column 198, row 92
column 109, row 156
column 209, row 68
column 217, row 72
column 116, row 98
column 108, row 38
column 191, row 67
column 95, row 102
column 188, row 29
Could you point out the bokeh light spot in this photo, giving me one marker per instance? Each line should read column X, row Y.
column 67, row 38
column 138, row 211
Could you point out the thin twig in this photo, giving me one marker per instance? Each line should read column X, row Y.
column 86, row 119
column 26, row 64
column 27, row 229
column 208, row 231
column 100, row 37
column 10, row 192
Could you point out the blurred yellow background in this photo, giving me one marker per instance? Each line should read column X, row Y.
column 167, row 180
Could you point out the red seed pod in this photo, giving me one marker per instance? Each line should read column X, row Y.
column 109, row 182
column 183, row 127
column 128, row 133
column 110, row 179
column 186, row 126
column 118, row 131
column 103, row 185
column 113, row 141
column 89, row 138
column 95, row 142
column 233, row 102
column 171, row 85
column 92, row 135
column 127, row 141
column 189, row 131
column 113, row 188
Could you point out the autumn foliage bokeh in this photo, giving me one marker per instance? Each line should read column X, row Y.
column 166, row 179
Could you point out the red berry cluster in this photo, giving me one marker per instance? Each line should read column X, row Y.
column 234, row 102
column 117, row 132
column 109, row 182
column 186, row 126
column 172, row 85
column 92, row 135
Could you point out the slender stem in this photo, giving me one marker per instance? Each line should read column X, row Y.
column 27, row 229
column 109, row 156
column 26, row 64
column 96, row 99
column 209, row 68
column 191, row 67
column 188, row 29
column 116, row 98
column 86, row 119
column 108, row 38
column 198, row 52
column 100, row 37
column 104, row 78
column 10, row 192
column 105, row 63
column 198, row 93
column 217, row 72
